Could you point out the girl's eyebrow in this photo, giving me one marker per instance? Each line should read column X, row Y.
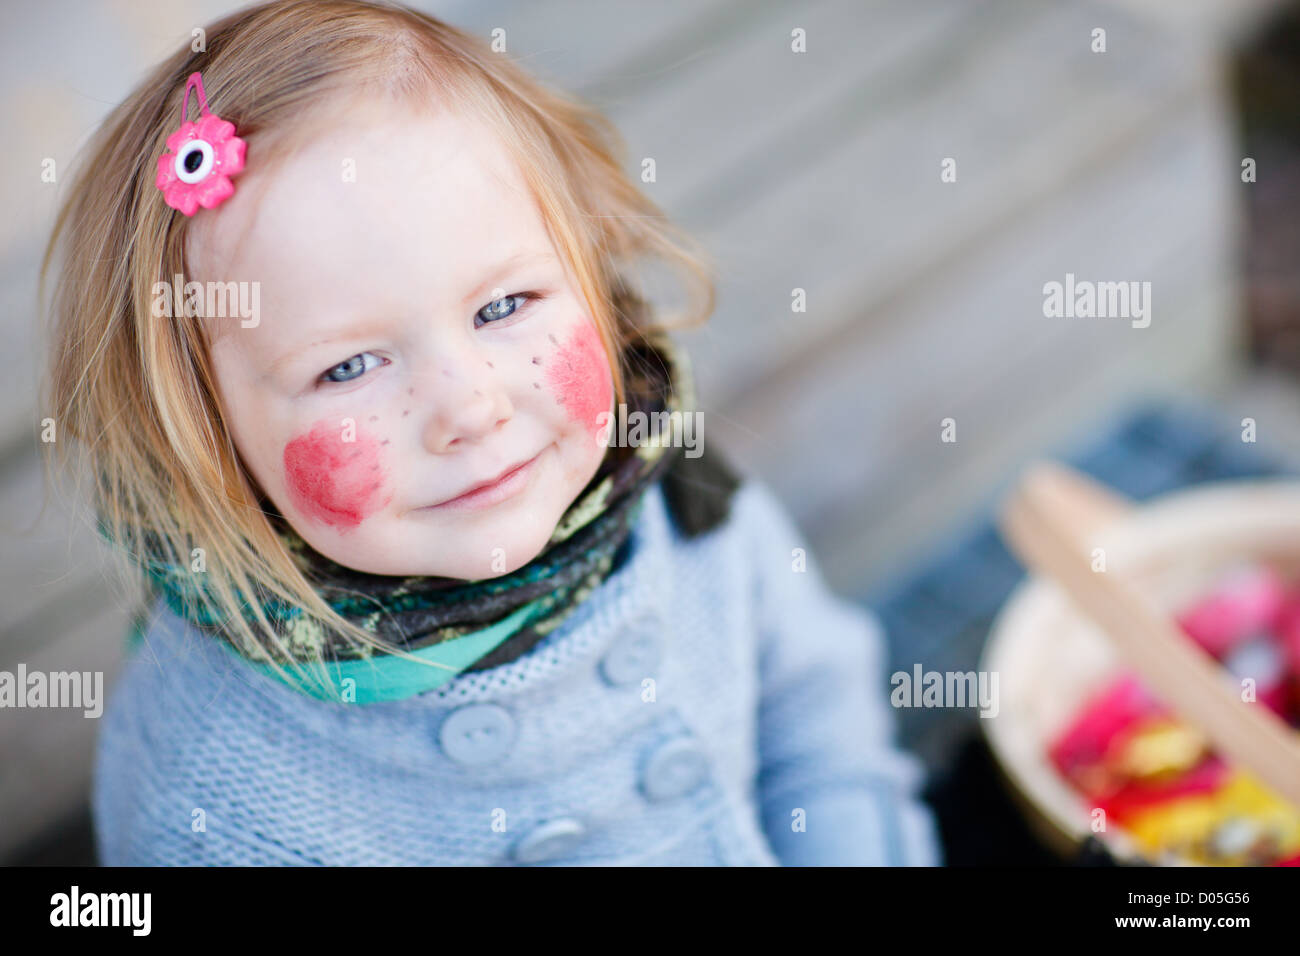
column 518, row 259
column 351, row 333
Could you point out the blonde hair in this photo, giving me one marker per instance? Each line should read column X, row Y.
column 136, row 391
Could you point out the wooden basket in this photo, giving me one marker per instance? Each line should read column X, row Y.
column 1050, row 660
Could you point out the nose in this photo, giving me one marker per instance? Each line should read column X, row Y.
column 465, row 398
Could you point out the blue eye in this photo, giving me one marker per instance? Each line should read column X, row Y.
column 502, row 308
column 353, row 368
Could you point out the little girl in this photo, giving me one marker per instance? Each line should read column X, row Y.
column 346, row 347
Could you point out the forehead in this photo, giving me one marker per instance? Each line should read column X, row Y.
column 384, row 201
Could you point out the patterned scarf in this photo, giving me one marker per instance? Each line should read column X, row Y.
column 465, row 625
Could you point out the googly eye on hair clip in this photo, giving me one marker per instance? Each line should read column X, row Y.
column 203, row 157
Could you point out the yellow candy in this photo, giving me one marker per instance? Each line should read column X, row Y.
column 1240, row 823
column 1162, row 748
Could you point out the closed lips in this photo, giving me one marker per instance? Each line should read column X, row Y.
column 486, row 484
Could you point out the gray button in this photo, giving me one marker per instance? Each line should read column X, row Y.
column 550, row 840
column 479, row 733
column 636, row 653
column 674, row 769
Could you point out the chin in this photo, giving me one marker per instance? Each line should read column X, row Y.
column 520, row 540
column 518, row 548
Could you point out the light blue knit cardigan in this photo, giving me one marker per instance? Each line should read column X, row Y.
column 707, row 705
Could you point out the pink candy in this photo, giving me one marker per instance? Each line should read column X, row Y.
column 1248, row 602
column 1118, row 707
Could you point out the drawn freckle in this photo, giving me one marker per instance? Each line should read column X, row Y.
column 477, row 392
column 384, row 442
column 490, row 365
column 447, row 372
column 535, row 385
column 374, row 418
column 405, row 413
column 536, row 360
column 411, row 390
column 552, row 338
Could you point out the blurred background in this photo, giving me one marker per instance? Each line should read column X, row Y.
column 817, row 171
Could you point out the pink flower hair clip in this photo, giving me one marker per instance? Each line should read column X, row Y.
column 203, row 157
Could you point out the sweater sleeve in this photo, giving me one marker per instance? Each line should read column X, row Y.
column 833, row 789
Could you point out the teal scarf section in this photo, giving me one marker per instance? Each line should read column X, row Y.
column 391, row 677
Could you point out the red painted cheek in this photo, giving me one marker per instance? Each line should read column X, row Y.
column 332, row 481
column 580, row 378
